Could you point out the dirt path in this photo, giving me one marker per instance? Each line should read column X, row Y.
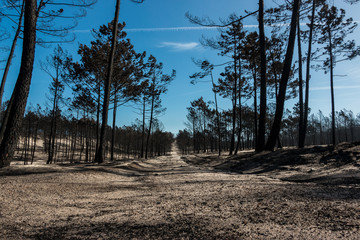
column 166, row 198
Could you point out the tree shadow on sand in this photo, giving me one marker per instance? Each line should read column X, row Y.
column 295, row 160
column 184, row 228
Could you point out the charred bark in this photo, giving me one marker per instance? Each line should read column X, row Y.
column 22, row 86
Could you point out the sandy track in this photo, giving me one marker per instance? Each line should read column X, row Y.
column 166, row 198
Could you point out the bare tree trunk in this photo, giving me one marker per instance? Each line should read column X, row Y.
column 98, row 117
column 143, row 130
column 28, row 141
column 150, row 125
column 275, row 130
column 321, row 132
column 262, row 119
column 11, row 54
column 114, row 127
column 35, row 138
column 22, row 87
column 301, row 100
column 332, row 89
column 217, row 115
column 81, row 142
column 74, row 138
column 99, row 158
column 308, row 60
column 255, row 109
column 194, row 141
column 232, row 143
column 53, row 128
column 240, row 109
column 6, row 118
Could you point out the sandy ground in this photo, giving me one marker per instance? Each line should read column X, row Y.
column 173, row 197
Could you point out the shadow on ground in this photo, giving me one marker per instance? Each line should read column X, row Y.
column 185, row 228
column 317, row 164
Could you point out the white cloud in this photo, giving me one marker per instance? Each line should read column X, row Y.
column 197, row 28
column 179, row 28
column 335, row 87
column 167, row 29
column 178, row 46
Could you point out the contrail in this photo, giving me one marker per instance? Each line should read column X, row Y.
column 169, row 29
column 178, row 29
column 175, row 29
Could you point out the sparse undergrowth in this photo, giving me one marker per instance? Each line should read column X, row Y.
column 264, row 196
column 321, row 164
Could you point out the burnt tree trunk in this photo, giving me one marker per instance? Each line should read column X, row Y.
column 150, row 123
column 240, row 109
column 217, row 115
column 262, row 118
column 22, row 86
column 52, row 136
column 143, row 130
column 307, row 80
column 301, row 100
column 99, row 157
column 11, row 54
column 332, row 89
column 255, row 109
column 35, row 139
column 275, row 129
column 114, row 127
column 232, row 143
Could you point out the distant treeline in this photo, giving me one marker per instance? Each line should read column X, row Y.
column 71, row 127
column 76, row 139
column 201, row 132
column 261, row 71
column 109, row 73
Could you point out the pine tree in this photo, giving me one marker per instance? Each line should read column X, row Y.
column 334, row 29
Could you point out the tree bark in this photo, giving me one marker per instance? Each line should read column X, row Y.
column 301, row 100
column 6, row 118
column 22, row 86
column 217, row 115
column 53, row 127
column 232, row 143
column 11, row 54
column 99, row 158
column 114, row 127
column 332, row 89
column 150, row 123
column 34, row 146
column 307, row 81
column 255, row 109
column 262, row 118
column 240, row 109
column 143, row 130
column 98, row 117
column 275, row 129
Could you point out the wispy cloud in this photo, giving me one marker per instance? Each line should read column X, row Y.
column 169, row 29
column 179, row 46
column 336, row 87
column 174, row 29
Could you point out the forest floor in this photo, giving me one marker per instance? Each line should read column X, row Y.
column 312, row 193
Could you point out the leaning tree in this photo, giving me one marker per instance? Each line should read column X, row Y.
column 39, row 17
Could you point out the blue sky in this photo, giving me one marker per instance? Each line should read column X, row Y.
column 160, row 28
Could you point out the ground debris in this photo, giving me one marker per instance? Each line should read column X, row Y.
column 187, row 197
